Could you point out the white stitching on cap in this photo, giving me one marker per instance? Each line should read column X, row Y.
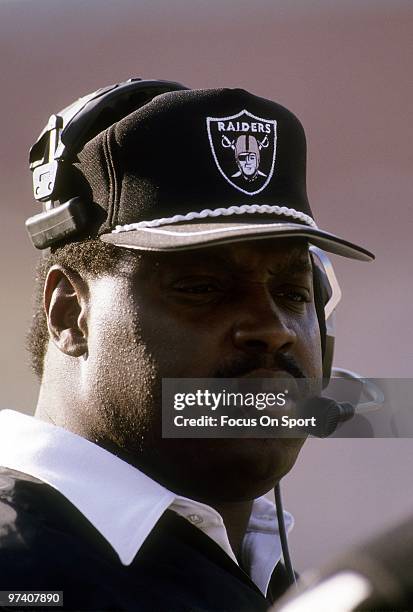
column 218, row 212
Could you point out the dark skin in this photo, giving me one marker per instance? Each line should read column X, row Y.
column 225, row 311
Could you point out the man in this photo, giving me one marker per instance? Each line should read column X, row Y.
column 195, row 274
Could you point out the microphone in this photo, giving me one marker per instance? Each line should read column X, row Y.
column 327, row 412
column 377, row 575
column 330, row 413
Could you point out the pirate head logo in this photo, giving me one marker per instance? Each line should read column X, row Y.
column 243, row 147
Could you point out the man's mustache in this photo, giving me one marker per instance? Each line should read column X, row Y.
column 244, row 365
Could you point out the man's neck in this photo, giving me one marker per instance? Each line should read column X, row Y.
column 236, row 516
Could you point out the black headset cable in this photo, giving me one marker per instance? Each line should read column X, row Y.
column 283, row 535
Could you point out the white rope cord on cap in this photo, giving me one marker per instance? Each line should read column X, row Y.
column 220, row 212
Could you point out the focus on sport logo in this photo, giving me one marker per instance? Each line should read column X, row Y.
column 244, row 147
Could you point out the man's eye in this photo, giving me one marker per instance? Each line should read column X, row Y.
column 196, row 288
column 294, row 296
column 297, row 297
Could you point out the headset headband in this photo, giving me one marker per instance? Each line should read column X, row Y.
column 64, row 136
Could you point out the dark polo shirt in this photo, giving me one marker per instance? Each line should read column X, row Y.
column 47, row 544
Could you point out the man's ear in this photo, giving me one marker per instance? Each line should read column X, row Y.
column 66, row 300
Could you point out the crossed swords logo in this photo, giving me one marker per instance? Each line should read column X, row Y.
column 247, row 155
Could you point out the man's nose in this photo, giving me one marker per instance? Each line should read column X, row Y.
column 262, row 326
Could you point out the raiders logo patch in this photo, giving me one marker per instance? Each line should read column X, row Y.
column 244, row 147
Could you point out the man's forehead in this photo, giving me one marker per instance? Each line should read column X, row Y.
column 278, row 253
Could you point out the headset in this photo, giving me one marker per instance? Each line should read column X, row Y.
column 51, row 158
column 63, row 137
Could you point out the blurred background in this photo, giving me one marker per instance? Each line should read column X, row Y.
column 344, row 67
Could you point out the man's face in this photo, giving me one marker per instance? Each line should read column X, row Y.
column 224, row 311
column 248, row 163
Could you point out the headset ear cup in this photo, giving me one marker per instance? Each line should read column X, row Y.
column 327, row 295
column 321, row 297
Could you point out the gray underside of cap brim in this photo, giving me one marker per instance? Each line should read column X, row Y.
column 188, row 236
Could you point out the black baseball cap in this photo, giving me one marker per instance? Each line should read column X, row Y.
column 196, row 168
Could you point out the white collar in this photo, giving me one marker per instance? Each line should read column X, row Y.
column 102, row 486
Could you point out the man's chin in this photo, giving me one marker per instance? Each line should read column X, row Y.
column 228, row 469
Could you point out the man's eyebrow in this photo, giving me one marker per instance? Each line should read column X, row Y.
column 293, row 266
column 294, row 263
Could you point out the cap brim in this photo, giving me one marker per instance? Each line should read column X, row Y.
column 187, row 236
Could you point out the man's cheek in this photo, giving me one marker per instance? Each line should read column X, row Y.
column 182, row 355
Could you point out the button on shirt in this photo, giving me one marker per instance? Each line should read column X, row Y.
column 102, row 486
